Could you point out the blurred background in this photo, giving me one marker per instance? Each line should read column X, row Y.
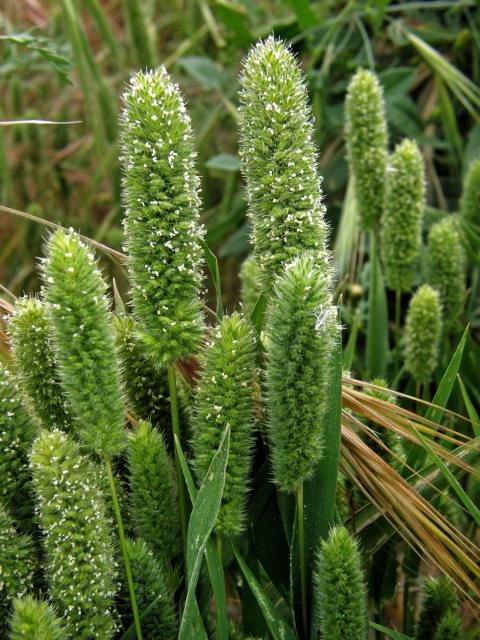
column 68, row 60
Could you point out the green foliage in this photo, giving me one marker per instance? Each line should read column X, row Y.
column 446, row 268
column 279, row 160
column 35, row 620
column 80, row 565
column 225, row 397
column 470, row 200
column 16, row 566
column 402, row 219
column 16, row 436
column 151, row 585
column 438, row 599
column 250, row 284
column 161, row 223
column 84, row 341
column 301, row 331
column 449, row 627
column 422, row 334
column 153, row 490
column 36, row 365
column 366, row 137
column 340, row 589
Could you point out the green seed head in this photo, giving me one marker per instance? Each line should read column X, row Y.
column 279, row 159
column 301, row 332
column 250, row 284
column 153, row 490
column 366, row 136
column 80, row 565
column 422, row 334
column 402, row 220
column 35, row 620
column 470, row 200
column 163, row 236
column 84, row 341
column 439, row 598
column 225, row 396
column 34, row 355
column 446, row 268
column 449, row 628
column 17, row 433
column 339, row 590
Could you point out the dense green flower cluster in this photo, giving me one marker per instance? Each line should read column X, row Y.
column 402, row 219
column 439, row 599
column 36, row 365
column 339, row 589
column 153, row 490
column 35, row 620
column 80, row 565
column 470, row 200
column 301, row 331
column 279, row 160
column 423, row 329
column 225, row 397
column 449, row 627
column 446, row 268
column 366, row 136
column 163, row 236
column 17, row 433
column 84, row 341
column 250, row 284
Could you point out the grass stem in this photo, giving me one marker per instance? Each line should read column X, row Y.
column 301, row 543
column 398, row 329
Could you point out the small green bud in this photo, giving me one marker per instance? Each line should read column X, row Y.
column 366, row 137
column 225, row 396
column 301, row 331
column 439, row 598
column 402, row 219
column 80, row 565
column 423, row 329
column 339, row 589
column 250, row 284
column 153, row 490
column 84, row 341
column 150, row 584
column 17, row 433
column 446, row 268
column 449, row 628
column 163, row 236
column 279, row 159
column 470, row 200
column 16, row 566
column 35, row 620
column 34, row 356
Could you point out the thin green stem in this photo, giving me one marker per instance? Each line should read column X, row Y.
column 123, row 546
column 172, row 385
column 301, row 544
column 220, row 548
column 398, row 329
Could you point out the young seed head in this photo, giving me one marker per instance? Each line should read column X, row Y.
column 84, row 341
column 153, row 490
column 163, row 236
column 250, row 284
column 35, row 620
column 449, row 627
column 439, row 598
column 339, row 589
column 402, row 220
column 80, row 566
column 279, row 159
column 225, row 396
column 34, row 355
column 366, row 137
column 470, row 200
column 422, row 334
column 301, row 332
column 446, row 268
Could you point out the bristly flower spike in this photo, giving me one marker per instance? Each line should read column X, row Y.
column 301, row 330
column 162, row 231
column 279, row 159
column 449, row 627
column 35, row 620
column 366, row 136
column 84, row 341
column 80, row 565
column 340, row 599
column 438, row 598
column 402, row 220
column 36, row 366
column 225, row 397
column 470, row 200
column 422, row 334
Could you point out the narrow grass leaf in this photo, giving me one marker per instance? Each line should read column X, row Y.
column 258, row 314
column 472, row 413
column 212, row 263
column 396, row 635
column 377, row 332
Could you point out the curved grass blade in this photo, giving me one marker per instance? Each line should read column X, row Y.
column 377, row 333
column 212, row 263
column 396, row 635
